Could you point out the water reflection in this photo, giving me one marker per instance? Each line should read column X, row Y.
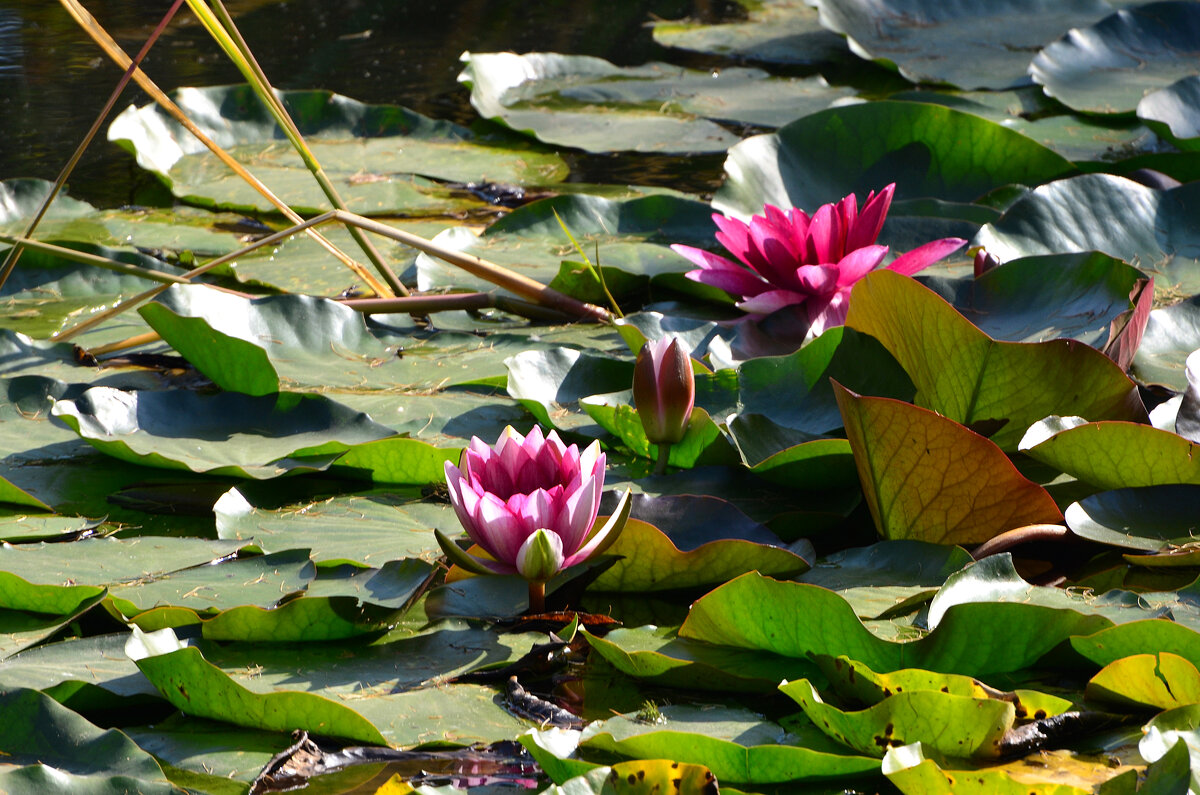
column 53, row 79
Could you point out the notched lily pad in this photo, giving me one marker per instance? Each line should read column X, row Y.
column 222, row 434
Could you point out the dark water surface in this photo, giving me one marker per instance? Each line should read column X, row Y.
column 54, row 79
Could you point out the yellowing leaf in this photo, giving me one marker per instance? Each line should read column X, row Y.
column 1162, row 681
column 928, row 478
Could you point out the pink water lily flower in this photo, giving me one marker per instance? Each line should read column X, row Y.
column 792, row 259
column 531, row 503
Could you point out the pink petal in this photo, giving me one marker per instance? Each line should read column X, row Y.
column 768, row 302
column 721, row 273
column 817, row 279
column 922, row 257
column 859, row 263
column 578, row 514
column 833, row 313
column 870, row 221
column 735, row 237
column 779, row 252
column 824, row 236
column 500, row 533
column 537, row 511
column 800, row 223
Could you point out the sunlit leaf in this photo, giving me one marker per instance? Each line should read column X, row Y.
column 966, row 376
column 1158, row 681
column 930, row 479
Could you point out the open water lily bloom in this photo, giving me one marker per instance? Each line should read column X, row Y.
column 788, row 258
column 531, row 503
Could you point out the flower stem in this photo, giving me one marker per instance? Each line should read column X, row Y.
column 537, row 597
column 664, row 452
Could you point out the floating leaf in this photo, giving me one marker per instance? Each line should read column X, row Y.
column 49, row 748
column 255, row 437
column 928, row 478
column 1032, row 299
column 198, row 687
column 702, row 444
column 588, row 103
column 916, row 36
column 1149, row 228
column 1174, row 108
column 370, row 152
column 966, row 376
column 775, row 31
column 1056, row 773
column 796, row 620
column 1113, row 455
column 1148, row 519
column 928, row 151
column 737, row 745
column 951, row 724
column 1109, row 66
column 702, row 541
column 1156, row 681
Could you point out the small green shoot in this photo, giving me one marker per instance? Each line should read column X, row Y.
column 593, row 268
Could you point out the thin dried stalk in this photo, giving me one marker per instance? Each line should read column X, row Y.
column 503, row 277
column 92, row 259
column 114, row 51
column 224, row 31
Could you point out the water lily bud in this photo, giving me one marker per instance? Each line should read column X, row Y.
column 664, row 390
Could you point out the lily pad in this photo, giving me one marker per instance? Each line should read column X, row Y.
column 1146, row 227
column 1173, row 110
column 737, row 745
column 370, row 152
column 698, row 541
column 633, row 236
column 255, row 437
column 1147, row 519
column 49, row 748
column 916, row 36
column 1032, row 299
column 199, row 688
column 775, row 31
column 1172, row 333
column 1109, row 66
column 367, row 530
column 966, row 376
column 950, row 724
column 1154, row 681
column 928, row 478
column 589, row 103
column 1113, row 455
column 927, row 150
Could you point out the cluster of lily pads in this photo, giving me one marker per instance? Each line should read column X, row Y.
column 929, row 531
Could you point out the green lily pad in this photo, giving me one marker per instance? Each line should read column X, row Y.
column 1109, row 66
column 198, row 687
column 107, row 561
column 702, row 444
column 1149, row 228
column 216, row 757
column 549, row 383
column 697, row 541
column 206, row 590
column 1172, row 333
column 654, row 654
column 950, row 724
column 370, row 153
column 909, row 771
column 1030, row 112
column 1113, row 455
column 789, row 457
column 916, row 36
column 632, row 235
column 256, row 437
column 775, row 31
column 1147, row 519
column 20, row 200
column 888, row 575
column 398, row 461
column 589, row 103
column 928, row 151
column 928, row 478
column 1173, row 111
column 1155, row 681
column 21, row 629
column 48, row 748
column 737, row 745
column 1032, row 299
column 366, row 530
column 796, row 619
column 966, row 376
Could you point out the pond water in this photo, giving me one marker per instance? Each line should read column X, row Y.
column 53, row 78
